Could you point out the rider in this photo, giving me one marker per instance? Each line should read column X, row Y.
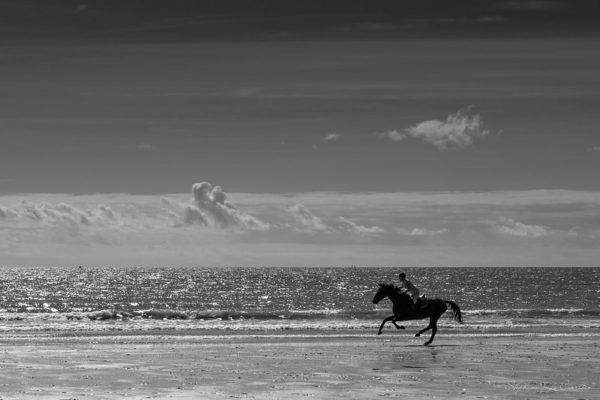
column 407, row 286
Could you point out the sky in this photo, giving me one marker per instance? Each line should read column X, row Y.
column 296, row 133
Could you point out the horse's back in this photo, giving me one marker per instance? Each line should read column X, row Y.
column 437, row 304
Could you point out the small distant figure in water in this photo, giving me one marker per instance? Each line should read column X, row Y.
column 407, row 286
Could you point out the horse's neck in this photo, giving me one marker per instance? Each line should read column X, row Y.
column 395, row 296
column 400, row 299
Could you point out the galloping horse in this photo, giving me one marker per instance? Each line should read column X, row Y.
column 404, row 310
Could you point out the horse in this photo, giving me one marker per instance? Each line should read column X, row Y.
column 404, row 310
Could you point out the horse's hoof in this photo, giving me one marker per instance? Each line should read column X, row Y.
column 379, row 333
column 402, row 327
column 417, row 335
column 426, row 343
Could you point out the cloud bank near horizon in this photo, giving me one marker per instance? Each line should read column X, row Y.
column 494, row 228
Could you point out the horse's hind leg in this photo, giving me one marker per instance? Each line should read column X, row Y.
column 433, row 332
column 384, row 321
column 424, row 330
column 433, row 326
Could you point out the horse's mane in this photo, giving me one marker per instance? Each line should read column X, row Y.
column 393, row 287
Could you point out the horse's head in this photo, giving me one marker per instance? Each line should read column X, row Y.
column 384, row 290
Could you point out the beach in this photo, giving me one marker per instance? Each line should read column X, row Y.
column 289, row 333
column 294, row 365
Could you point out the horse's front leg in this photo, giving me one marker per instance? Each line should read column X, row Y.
column 384, row 321
column 396, row 325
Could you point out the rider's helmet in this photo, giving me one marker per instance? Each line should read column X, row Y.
column 402, row 275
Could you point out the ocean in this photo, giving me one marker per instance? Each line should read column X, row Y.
column 494, row 301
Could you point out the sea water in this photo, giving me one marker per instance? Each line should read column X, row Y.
column 494, row 301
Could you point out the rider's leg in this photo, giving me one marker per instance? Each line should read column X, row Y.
column 414, row 304
column 415, row 298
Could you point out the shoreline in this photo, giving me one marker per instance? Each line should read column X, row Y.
column 291, row 365
column 443, row 333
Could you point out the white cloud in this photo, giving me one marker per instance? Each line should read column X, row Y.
column 211, row 207
column 352, row 227
column 78, row 219
column 8, row 212
column 456, row 132
column 192, row 215
column 332, row 137
column 310, row 223
column 509, row 226
column 47, row 213
column 394, row 135
column 308, row 220
column 427, row 232
column 416, row 232
column 594, row 148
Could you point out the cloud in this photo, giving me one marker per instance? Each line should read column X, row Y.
column 310, row 223
column 47, row 213
column 394, row 135
column 594, row 148
column 307, row 219
column 458, row 20
column 30, row 223
column 367, row 27
column 7, row 212
column 332, row 137
column 75, row 219
column 420, row 231
column 192, row 215
column 511, row 227
column 145, row 147
column 447, row 228
column 211, row 207
column 427, row 232
column 532, row 5
column 352, row 227
column 81, row 8
column 456, row 132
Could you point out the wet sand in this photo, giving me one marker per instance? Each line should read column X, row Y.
column 191, row 365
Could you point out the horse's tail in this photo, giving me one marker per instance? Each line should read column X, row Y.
column 456, row 313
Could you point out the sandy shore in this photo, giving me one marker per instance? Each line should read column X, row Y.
column 293, row 366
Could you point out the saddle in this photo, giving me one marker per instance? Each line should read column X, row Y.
column 422, row 302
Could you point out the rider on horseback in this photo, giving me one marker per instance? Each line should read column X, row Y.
column 408, row 287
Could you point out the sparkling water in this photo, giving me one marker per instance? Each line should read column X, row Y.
column 493, row 300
